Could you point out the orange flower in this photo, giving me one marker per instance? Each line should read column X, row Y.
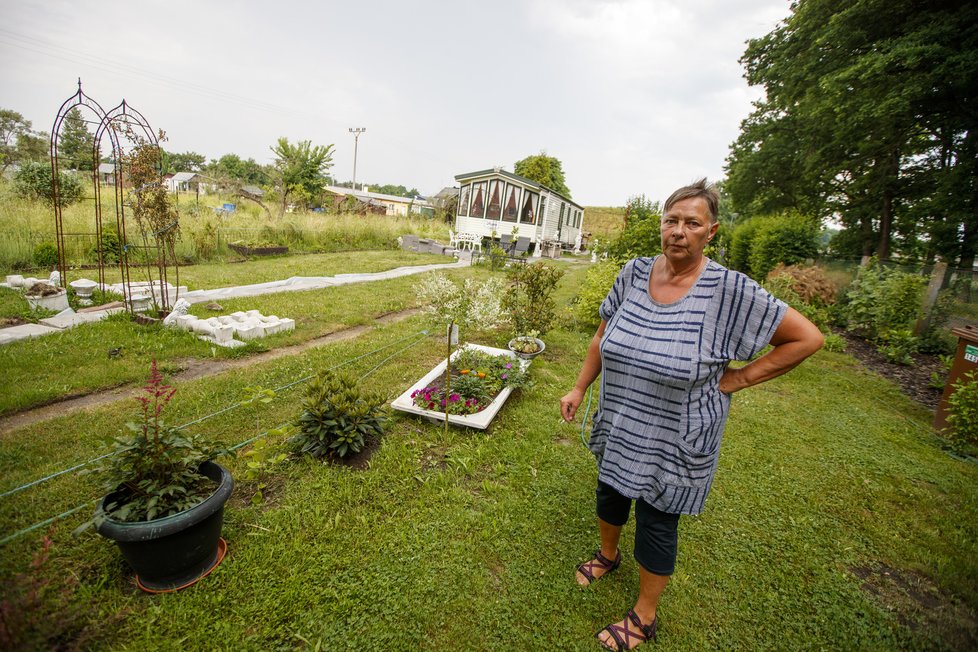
column 481, row 374
column 464, row 371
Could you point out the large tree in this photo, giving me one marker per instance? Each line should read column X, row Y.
column 12, row 126
column 869, row 115
column 300, row 170
column 233, row 167
column 545, row 170
column 75, row 143
column 183, row 162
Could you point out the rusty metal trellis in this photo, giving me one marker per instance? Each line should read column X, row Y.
column 123, row 118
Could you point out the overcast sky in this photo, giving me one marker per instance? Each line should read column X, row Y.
column 633, row 96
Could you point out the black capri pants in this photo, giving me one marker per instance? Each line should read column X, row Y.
column 656, row 532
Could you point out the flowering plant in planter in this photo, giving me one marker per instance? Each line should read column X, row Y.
column 476, row 379
column 155, row 471
column 458, row 306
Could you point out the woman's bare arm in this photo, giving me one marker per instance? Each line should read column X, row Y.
column 795, row 339
column 589, row 371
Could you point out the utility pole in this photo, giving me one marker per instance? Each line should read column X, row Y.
column 356, row 131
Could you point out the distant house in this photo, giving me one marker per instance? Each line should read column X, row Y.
column 184, row 182
column 106, row 174
column 498, row 202
column 391, row 204
column 252, row 191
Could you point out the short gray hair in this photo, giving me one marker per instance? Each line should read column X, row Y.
column 702, row 188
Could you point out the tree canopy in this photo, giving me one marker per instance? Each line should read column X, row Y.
column 12, row 126
column 545, row 170
column 183, row 162
column 300, row 170
column 75, row 142
column 868, row 116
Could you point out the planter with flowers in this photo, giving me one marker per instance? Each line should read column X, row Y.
column 165, row 505
column 470, row 385
column 481, row 379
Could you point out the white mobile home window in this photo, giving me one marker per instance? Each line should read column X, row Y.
column 511, row 206
column 495, row 205
column 463, row 200
column 478, row 207
column 527, row 214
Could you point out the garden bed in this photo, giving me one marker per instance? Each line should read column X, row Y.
column 243, row 250
column 481, row 419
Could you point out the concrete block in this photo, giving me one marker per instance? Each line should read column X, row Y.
column 251, row 333
column 288, row 325
column 74, row 319
column 185, row 322
column 25, row 331
column 238, row 316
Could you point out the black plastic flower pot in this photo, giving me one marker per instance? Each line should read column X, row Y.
column 173, row 552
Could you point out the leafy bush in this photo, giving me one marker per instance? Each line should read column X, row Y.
column 962, row 414
column 936, row 339
column 33, row 181
column 337, row 416
column 741, row 243
column 529, row 300
column 597, row 283
column 45, row 255
column 640, row 236
column 881, row 300
column 782, row 287
column 834, row 343
column 788, row 238
column 110, row 245
column 898, row 346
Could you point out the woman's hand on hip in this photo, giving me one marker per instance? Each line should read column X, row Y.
column 569, row 404
column 731, row 381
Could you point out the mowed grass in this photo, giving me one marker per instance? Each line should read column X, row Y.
column 828, row 478
column 279, row 268
column 118, row 351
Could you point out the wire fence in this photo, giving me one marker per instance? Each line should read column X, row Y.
column 412, row 340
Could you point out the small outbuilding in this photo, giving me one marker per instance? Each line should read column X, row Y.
column 493, row 203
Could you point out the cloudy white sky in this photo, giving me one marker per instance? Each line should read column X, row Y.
column 633, row 96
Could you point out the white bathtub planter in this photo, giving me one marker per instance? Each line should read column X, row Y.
column 56, row 301
column 479, row 420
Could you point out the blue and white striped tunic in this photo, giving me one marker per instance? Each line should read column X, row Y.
column 660, row 417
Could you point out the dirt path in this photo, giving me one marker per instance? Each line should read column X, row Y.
column 191, row 369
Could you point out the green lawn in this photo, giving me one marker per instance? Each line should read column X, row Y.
column 829, row 478
column 258, row 270
column 34, row 369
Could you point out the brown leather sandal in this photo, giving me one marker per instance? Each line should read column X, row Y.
column 623, row 636
column 598, row 561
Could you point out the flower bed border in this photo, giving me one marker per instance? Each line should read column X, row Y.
column 479, row 420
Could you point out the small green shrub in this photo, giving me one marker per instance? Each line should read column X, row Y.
column 835, row 343
column 33, row 181
column 45, row 255
column 880, row 301
column 337, row 416
column 110, row 245
column 788, row 238
column 962, row 414
column 741, row 242
column 641, row 235
column 528, row 298
column 597, row 283
column 898, row 346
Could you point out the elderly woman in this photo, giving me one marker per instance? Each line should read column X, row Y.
column 669, row 328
